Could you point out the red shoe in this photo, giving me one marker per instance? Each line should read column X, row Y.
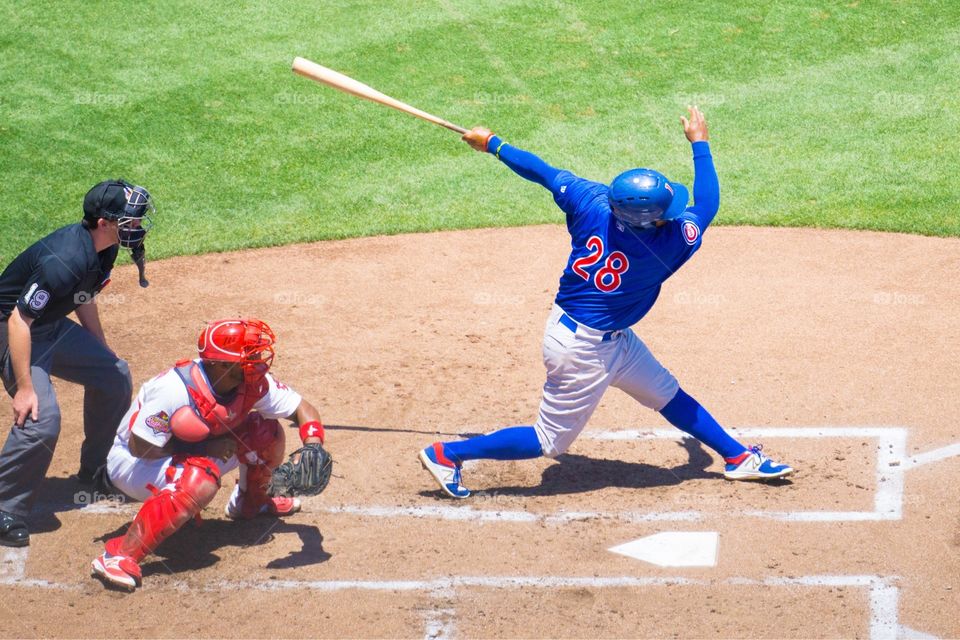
column 277, row 507
column 117, row 571
column 281, row 506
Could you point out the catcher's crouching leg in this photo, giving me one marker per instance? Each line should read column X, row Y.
column 158, row 518
column 260, row 451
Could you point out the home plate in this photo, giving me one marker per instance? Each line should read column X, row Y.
column 674, row 549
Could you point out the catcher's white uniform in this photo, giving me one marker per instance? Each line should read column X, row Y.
column 149, row 418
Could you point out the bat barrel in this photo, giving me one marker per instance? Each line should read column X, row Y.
column 341, row 82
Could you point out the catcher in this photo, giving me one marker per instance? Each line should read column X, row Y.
column 196, row 422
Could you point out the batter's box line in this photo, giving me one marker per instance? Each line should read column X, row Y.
column 884, row 594
column 891, row 464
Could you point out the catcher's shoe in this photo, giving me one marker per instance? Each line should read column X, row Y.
column 117, row 571
column 444, row 471
column 753, row 465
column 278, row 506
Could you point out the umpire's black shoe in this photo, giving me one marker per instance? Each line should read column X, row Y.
column 85, row 478
column 13, row 531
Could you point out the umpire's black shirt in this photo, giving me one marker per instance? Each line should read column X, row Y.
column 55, row 275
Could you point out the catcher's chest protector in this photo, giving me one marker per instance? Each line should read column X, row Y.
column 215, row 418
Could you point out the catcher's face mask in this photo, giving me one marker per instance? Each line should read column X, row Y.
column 247, row 343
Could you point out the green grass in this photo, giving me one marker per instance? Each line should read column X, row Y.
column 822, row 114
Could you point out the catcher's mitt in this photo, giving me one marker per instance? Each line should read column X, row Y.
column 308, row 476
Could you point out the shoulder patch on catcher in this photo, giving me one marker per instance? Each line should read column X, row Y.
column 691, row 232
column 159, row 422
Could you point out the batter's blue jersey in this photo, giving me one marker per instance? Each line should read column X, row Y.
column 615, row 271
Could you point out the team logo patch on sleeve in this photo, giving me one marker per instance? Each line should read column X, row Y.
column 691, row 232
column 159, row 422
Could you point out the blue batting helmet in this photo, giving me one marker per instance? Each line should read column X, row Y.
column 640, row 197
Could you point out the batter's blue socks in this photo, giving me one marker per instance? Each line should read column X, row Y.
column 688, row 415
column 514, row 443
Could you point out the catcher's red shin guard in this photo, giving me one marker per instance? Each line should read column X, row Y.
column 167, row 511
column 261, row 450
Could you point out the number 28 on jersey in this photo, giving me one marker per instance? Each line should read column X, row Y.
column 607, row 278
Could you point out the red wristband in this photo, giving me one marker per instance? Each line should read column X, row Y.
column 312, row 429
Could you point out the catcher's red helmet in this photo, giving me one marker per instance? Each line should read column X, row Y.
column 247, row 342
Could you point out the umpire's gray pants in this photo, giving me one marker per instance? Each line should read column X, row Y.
column 68, row 351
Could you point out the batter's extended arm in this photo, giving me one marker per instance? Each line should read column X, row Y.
column 525, row 164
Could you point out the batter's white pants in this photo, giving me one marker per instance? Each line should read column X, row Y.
column 580, row 367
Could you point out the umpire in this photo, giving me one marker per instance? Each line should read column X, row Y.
column 57, row 275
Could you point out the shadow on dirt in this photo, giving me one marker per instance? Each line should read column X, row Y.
column 195, row 546
column 425, row 432
column 580, row 474
column 56, row 495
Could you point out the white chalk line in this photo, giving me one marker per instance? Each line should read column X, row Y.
column 888, row 497
column 891, row 452
column 440, row 617
column 440, row 621
column 466, row 513
column 455, row 582
column 936, row 455
column 440, row 624
column 891, row 464
column 13, row 569
column 884, row 596
column 747, row 432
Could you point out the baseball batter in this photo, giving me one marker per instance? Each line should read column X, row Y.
column 627, row 239
column 192, row 424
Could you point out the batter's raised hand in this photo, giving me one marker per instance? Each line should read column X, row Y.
column 696, row 127
column 478, row 137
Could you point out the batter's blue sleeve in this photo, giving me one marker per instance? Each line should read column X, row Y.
column 688, row 415
column 706, row 185
column 523, row 163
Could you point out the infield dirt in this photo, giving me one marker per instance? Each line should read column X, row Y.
column 401, row 341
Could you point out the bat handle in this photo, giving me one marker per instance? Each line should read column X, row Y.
column 454, row 127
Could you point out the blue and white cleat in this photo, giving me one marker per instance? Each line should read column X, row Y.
column 444, row 471
column 753, row 465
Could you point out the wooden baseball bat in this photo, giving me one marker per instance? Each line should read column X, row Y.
column 338, row 81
